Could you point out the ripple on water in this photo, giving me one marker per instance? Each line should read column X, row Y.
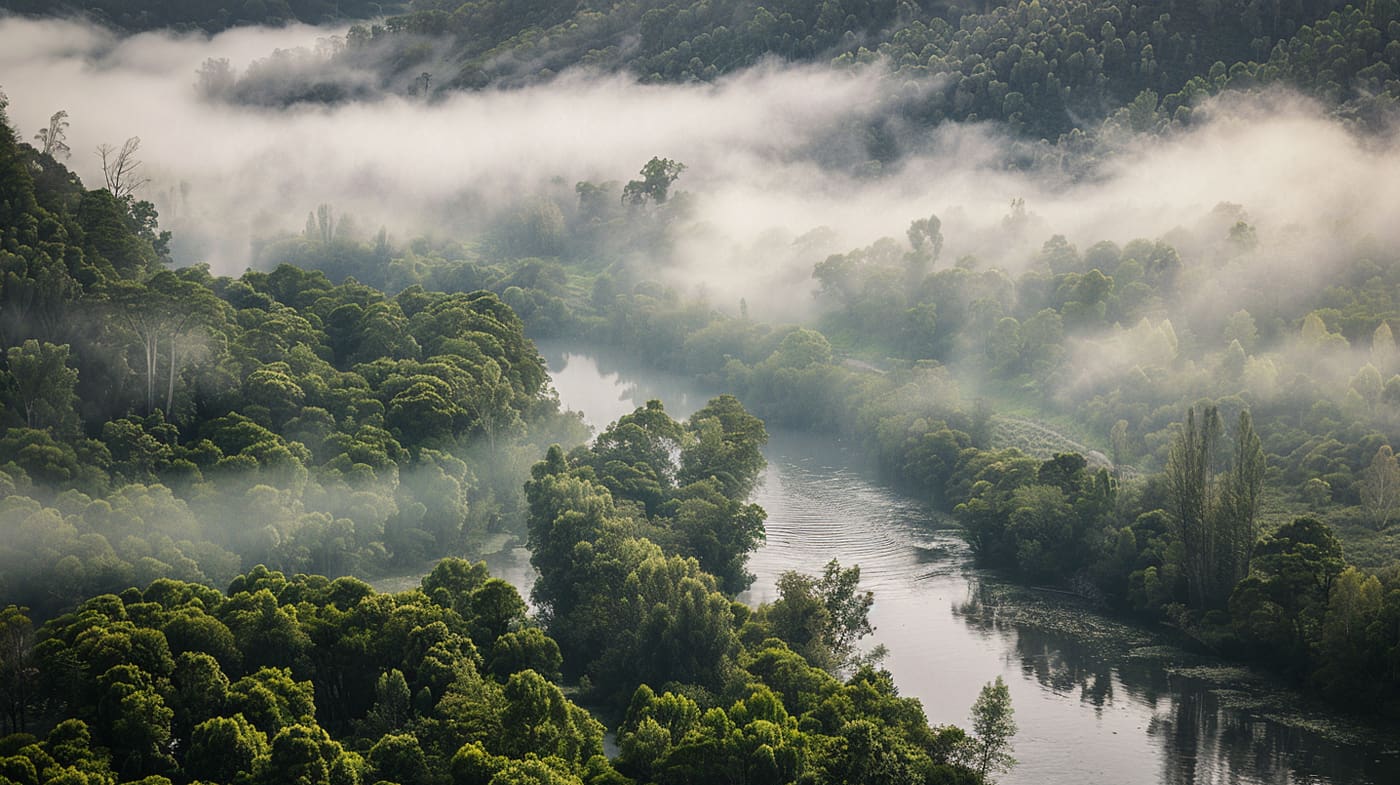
column 1091, row 711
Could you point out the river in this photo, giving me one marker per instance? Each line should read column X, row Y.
column 1096, row 701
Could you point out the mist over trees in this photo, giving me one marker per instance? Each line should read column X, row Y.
column 1190, row 423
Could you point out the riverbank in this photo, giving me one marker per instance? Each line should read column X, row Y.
column 1098, row 700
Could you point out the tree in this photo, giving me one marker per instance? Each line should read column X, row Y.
column 1383, row 351
column 166, row 308
column 728, row 447
column 527, row 649
column 138, row 721
column 52, row 139
column 1353, row 608
column 1240, row 327
column 1380, row 487
column 1214, row 512
column 539, row 719
column 654, row 187
column 201, row 691
column 398, row 758
column 926, row 240
column 1118, row 443
column 306, row 754
column 18, row 671
column 44, row 385
column 718, row 531
column 989, row 750
column 1281, row 604
column 822, row 618
column 119, row 168
column 223, row 748
column 1240, row 488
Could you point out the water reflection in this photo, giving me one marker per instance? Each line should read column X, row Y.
column 1207, row 733
column 1096, row 701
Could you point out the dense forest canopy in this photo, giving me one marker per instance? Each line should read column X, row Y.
column 203, row 15
column 168, row 431
column 1112, row 283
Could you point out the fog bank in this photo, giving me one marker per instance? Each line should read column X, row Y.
column 757, row 146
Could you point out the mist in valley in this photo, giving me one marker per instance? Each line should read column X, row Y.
column 777, row 172
column 1144, row 369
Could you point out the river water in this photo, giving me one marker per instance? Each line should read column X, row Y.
column 1096, row 701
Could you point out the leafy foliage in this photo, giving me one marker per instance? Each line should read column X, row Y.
column 143, row 404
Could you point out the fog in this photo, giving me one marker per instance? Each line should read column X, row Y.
column 771, row 154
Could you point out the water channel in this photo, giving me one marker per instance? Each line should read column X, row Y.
column 1097, row 701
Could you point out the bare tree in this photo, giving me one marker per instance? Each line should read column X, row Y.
column 120, row 167
column 53, row 139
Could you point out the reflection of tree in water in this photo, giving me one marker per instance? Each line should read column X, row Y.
column 1205, row 741
column 1206, row 744
column 1096, row 669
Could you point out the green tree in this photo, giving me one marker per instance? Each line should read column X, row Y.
column 306, row 755
column 993, row 725
column 539, row 719
column 201, row 691
column 1380, row 487
column 657, row 176
column 1281, row 605
column 223, row 749
column 1214, row 512
column 717, row 530
column 728, row 446
column 822, row 618
column 272, row 700
column 527, row 649
column 42, row 388
column 1347, row 641
column 399, row 758
column 392, row 707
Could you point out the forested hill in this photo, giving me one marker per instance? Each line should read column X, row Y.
column 209, row 16
column 1044, row 68
column 171, row 423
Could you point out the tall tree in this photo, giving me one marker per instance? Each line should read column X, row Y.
column 166, row 309
column 1214, row 512
column 52, row 140
column 1238, row 509
column 1188, row 482
column 43, row 386
column 1380, row 487
column 822, row 618
column 120, row 167
column 18, row 670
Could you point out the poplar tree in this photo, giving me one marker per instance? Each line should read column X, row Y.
column 1214, row 510
column 1380, row 487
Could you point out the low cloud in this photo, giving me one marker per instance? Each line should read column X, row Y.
column 772, row 154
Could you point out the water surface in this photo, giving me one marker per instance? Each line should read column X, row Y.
column 1097, row 701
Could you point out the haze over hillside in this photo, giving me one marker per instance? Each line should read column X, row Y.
column 1111, row 285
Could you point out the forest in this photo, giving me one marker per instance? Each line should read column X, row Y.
column 1187, row 421
column 214, row 432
